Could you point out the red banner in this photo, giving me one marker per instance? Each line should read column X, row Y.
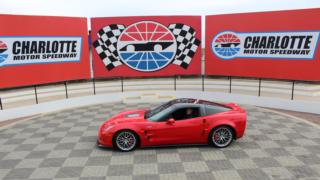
column 279, row 44
column 42, row 49
column 146, row 46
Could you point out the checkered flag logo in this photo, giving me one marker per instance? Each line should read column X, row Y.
column 106, row 44
column 187, row 44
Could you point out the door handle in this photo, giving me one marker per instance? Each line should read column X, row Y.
column 204, row 120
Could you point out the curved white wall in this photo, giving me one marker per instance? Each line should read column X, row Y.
column 127, row 97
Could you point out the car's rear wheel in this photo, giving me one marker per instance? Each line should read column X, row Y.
column 125, row 140
column 157, row 48
column 221, row 136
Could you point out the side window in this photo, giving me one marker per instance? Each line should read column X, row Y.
column 185, row 113
column 214, row 109
column 165, row 118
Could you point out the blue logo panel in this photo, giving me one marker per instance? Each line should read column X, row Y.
column 146, row 46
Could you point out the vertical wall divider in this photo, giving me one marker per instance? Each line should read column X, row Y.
column 1, row 104
column 202, row 76
column 292, row 90
column 36, row 94
column 175, row 82
column 230, row 84
column 66, row 88
column 94, row 86
column 259, row 92
column 121, row 84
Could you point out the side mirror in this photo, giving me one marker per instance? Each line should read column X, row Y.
column 171, row 121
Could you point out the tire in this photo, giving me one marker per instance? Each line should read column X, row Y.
column 221, row 136
column 125, row 141
column 157, row 48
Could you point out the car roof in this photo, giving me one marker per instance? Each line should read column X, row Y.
column 189, row 101
column 183, row 101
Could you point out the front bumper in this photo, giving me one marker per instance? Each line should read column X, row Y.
column 104, row 139
column 100, row 145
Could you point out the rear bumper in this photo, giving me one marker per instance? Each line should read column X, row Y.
column 241, row 129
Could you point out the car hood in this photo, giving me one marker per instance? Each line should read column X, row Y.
column 127, row 116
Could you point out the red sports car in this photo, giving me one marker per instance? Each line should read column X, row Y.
column 177, row 122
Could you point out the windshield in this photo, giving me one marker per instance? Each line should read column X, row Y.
column 164, row 106
column 156, row 110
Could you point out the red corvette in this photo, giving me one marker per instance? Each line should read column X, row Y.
column 177, row 122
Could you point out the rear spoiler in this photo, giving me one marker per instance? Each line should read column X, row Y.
column 231, row 104
column 235, row 107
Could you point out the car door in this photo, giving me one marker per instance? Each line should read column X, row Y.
column 182, row 131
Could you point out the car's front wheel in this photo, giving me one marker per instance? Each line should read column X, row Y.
column 125, row 140
column 221, row 136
